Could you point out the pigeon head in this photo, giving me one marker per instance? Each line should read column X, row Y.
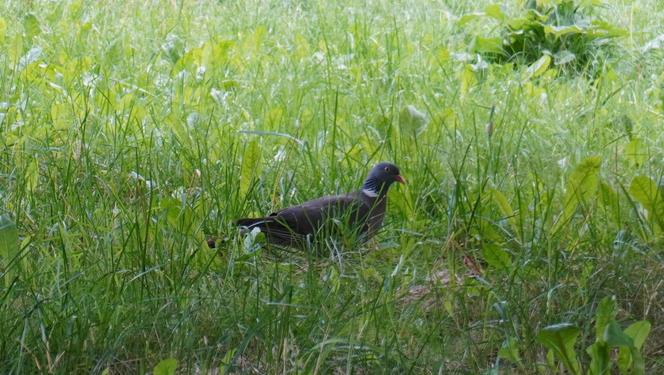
column 380, row 178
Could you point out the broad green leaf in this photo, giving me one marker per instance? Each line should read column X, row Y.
column 645, row 191
column 504, row 206
column 563, row 30
column 173, row 210
column 582, row 186
column 611, row 201
column 302, row 47
column 166, row 367
column 215, row 53
column 496, row 257
column 606, row 312
column 189, row 60
column 467, row 79
column 649, row 195
column 469, row 17
column 518, row 23
column 250, row 165
column 75, row 8
column 15, row 49
column 442, row 55
column 32, row 176
column 631, row 357
column 487, row 45
column 638, row 331
column 60, row 116
column 31, row 26
column 600, row 359
column 638, row 364
column 560, row 338
column 510, row 350
column 615, row 337
column 636, row 152
column 494, row 11
column 226, row 361
column 538, row 67
column 411, row 118
column 3, row 29
column 604, row 29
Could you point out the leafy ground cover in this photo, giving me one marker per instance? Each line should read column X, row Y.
column 531, row 229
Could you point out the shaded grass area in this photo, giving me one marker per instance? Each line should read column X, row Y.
column 128, row 135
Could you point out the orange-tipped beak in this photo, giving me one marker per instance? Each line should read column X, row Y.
column 399, row 179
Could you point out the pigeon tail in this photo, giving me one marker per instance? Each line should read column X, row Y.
column 250, row 222
column 276, row 231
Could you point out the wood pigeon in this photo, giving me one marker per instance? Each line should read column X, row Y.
column 360, row 212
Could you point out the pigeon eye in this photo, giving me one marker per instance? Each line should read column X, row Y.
column 387, row 169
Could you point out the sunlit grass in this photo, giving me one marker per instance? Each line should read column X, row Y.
column 131, row 134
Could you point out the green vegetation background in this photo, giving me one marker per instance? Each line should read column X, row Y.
column 131, row 131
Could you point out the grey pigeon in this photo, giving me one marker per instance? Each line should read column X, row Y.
column 360, row 212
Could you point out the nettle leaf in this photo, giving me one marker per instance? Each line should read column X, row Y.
column 560, row 338
column 166, row 367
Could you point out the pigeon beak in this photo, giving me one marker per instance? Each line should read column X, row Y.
column 399, row 179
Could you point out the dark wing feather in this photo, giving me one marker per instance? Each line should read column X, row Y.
column 292, row 225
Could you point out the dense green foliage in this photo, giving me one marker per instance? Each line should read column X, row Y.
column 562, row 31
column 532, row 226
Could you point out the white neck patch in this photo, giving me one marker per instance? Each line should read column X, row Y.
column 369, row 193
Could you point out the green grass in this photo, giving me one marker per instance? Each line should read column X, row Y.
column 120, row 154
